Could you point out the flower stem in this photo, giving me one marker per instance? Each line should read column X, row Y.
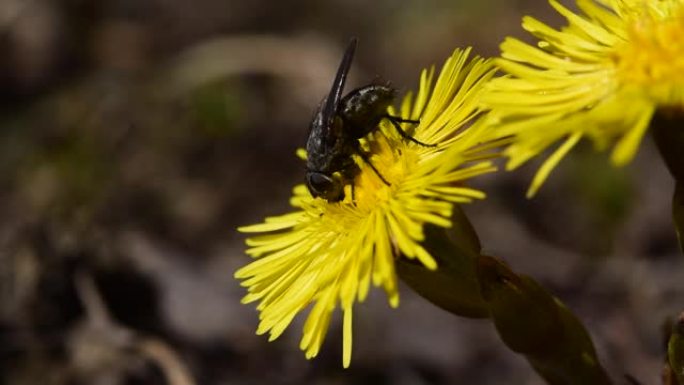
column 532, row 322
column 453, row 286
column 529, row 320
column 675, row 351
column 667, row 127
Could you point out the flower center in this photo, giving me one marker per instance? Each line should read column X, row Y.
column 391, row 159
column 653, row 58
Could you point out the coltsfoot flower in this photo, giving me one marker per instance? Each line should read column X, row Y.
column 327, row 254
column 602, row 76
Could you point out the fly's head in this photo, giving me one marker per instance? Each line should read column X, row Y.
column 328, row 187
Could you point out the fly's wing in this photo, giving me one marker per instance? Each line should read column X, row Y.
column 324, row 136
column 329, row 109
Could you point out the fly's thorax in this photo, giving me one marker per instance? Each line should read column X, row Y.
column 330, row 162
column 363, row 108
column 327, row 140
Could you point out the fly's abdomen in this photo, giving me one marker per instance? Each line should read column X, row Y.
column 362, row 109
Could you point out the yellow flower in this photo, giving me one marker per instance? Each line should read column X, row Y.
column 327, row 254
column 602, row 76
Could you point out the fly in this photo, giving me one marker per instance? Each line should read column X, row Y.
column 338, row 124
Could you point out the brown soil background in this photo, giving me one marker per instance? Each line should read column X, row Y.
column 136, row 135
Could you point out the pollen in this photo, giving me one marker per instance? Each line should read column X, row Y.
column 653, row 58
column 393, row 159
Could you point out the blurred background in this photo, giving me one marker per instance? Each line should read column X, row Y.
column 136, row 135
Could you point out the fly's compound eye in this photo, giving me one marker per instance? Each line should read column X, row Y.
column 324, row 186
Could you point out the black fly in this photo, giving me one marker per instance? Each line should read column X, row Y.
column 337, row 126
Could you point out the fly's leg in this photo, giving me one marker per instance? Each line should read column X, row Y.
column 402, row 120
column 368, row 162
column 395, row 120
